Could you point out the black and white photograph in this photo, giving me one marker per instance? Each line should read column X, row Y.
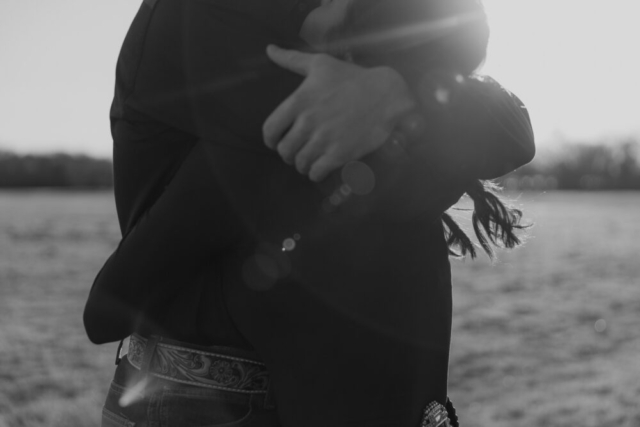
column 313, row 213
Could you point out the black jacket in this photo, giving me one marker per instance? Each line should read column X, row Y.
column 354, row 322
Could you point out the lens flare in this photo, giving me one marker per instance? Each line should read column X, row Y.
column 134, row 393
column 442, row 95
column 288, row 245
column 359, row 177
column 413, row 34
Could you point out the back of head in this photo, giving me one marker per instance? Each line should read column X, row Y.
column 418, row 34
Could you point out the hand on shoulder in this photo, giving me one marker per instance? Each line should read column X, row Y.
column 340, row 112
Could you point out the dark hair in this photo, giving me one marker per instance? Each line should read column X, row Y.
column 448, row 37
column 493, row 222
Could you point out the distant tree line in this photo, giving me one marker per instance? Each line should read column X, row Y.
column 571, row 167
column 54, row 170
column 581, row 167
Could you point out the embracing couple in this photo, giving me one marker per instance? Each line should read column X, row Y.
column 285, row 250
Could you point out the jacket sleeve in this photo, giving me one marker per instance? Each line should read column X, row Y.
column 487, row 129
column 483, row 131
column 207, row 206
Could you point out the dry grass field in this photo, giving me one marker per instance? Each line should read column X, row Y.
column 548, row 336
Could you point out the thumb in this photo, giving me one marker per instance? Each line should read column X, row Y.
column 292, row 60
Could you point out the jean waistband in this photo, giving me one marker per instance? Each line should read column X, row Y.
column 213, row 367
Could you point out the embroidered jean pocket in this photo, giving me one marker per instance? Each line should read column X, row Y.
column 191, row 407
column 111, row 419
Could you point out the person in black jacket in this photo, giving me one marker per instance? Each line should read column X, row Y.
column 226, row 245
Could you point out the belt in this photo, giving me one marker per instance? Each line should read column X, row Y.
column 183, row 363
column 187, row 364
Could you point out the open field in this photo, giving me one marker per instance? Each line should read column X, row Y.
column 548, row 336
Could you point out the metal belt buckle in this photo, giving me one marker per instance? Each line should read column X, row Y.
column 435, row 415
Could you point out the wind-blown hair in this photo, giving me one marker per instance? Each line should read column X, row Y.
column 444, row 37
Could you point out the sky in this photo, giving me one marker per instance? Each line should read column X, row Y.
column 574, row 63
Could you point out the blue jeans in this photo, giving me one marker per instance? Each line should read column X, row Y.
column 141, row 400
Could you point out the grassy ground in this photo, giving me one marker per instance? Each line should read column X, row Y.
column 51, row 246
column 548, row 336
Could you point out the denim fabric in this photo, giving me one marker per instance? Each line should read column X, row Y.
column 135, row 400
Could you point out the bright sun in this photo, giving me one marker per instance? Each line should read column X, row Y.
column 573, row 62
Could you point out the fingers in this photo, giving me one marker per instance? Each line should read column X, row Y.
column 292, row 60
column 322, row 167
column 299, row 146
column 281, row 119
column 294, row 140
column 310, row 153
